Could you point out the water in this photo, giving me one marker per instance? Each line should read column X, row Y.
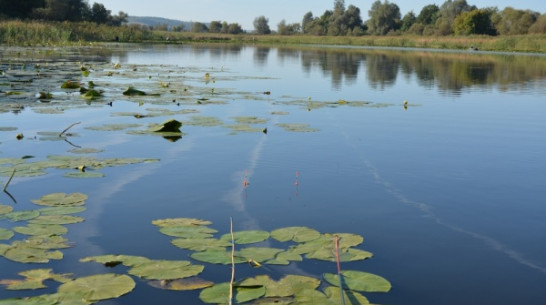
column 448, row 193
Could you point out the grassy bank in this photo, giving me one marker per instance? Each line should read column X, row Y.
column 39, row 33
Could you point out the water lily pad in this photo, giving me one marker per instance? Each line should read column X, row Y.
column 61, row 210
column 22, row 253
column 297, row 234
column 40, row 229
column 39, row 300
column 99, row 287
column 286, row 286
column 21, row 215
column 294, row 127
column 165, row 270
column 204, row 121
column 61, row 199
column 70, row 85
column 250, row 120
column 5, row 234
column 5, row 209
column 359, row 281
column 132, row 91
column 355, row 298
column 177, row 222
column 35, row 278
column 8, row 128
column 219, row 293
column 56, row 219
column 171, row 125
column 86, row 174
column 92, row 94
column 193, row 283
column 46, row 242
column 188, row 231
column 200, row 244
column 246, row 237
column 85, row 151
column 284, row 258
column 111, row 260
column 113, row 127
column 260, row 254
column 323, row 248
column 216, row 256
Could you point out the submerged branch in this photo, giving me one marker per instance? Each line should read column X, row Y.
column 67, row 128
column 232, row 261
column 9, row 180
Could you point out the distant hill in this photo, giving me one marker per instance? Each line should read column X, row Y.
column 154, row 21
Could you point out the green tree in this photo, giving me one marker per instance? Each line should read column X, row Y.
column 121, row 18
column 63, row 10
column 539, row 27
column 215, row 27
column 19, row 9
column 447, row 14
column 307, row 20
column 198, row 27
column 288, row 29
column 428, row 14
column 234, row 28
column 353, row 20
column 261, row 25
column 407, row 21
column 99, row 13
column 384, row 17
column 512, row 21
column 474, row 22
column 337, row 25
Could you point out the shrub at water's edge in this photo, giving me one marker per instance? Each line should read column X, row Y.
column 69, row 33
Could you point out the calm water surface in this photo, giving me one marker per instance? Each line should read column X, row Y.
column 449, row 193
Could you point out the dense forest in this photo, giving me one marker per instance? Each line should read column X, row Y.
column 453, row 17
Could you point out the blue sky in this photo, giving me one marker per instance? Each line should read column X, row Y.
column 244, row 11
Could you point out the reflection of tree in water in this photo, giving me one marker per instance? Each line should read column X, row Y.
column 342, row 66
column 260, row 55
column 381, row 70
column 225, row 51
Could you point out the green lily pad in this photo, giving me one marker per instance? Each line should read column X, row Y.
column 297, row 234
column 56, row 219
column 334, row 295
column 61, row 210
column 293, row 127
column 113, row 127
column 203, row 244
column 8, row 128
column 219, row 293
column 165, row 270
column 323, row 248
column 35, row 278
column 284, row 258
column 61, row 199
column 21, row 215
column 204, row 121
column 250, row 120
column 171, row 125
column 186, row 284
column 91, row 94
column 132, row 91
column 19, row 252
column 216, row 256
column 111, row 260
column 188, row 231
column 5, row 209
column 70, row 85
column 286, row 286
column 40, row 229
column 246, row 237
column 259, row 254
column 359, row 281
column 39, row 300
column 5, row 234
column 177, row 222
column 86, row 174
column 99, row 287
column 85, row 151
column 46, row 242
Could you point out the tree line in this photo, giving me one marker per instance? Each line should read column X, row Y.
column 60, row 10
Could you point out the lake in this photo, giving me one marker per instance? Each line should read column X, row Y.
column 435, row 158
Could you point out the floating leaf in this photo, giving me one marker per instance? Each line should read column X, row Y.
column 5, row 234
column 355, row 298
column 40, row 229
column 204, row 121
column 5, row 209
column 99, row 287
column 286, row 286
column 297, row 234
column 284, row 258
column 259, row 254
column 177, row 222
column 62, row 199
column 359, row 281
column 34, row 279
column 247, row 237
column 165, row 270
column 39, row 300
column 21, row 215
column 216, row 256
column 113, row 127
column 171, row 125
column 219, row 293
column 131, row 91
column 92, row 94
column 20, row 252
column 86, row 174
column 56, row 219
column 250, row 120
column 200, row 244
column 85, row 151
column 61, row 210
column 193, row 283
column 188, row 231
column 46, row 242
column 70, row 85
column 293, row 127
column 109, row 260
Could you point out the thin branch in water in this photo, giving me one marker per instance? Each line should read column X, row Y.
column 10, row 196
column 9, row 180
column 336, row 244
column 67, row 128
column 232, row 261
